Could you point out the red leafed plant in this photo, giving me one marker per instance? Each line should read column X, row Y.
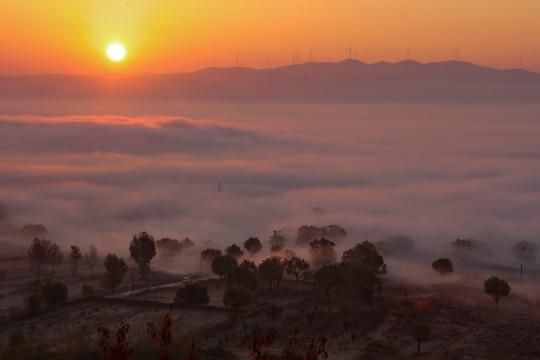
column 259, row 346
column 163, row 337
column 118, row 351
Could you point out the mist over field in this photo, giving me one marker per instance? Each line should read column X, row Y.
column 434, row 172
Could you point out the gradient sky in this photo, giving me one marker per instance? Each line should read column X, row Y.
column 38, row 36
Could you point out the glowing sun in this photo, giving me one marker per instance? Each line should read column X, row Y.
column 116, row 52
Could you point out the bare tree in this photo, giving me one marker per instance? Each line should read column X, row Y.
column 90, row 258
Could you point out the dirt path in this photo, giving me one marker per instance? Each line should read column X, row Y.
column 437, row 353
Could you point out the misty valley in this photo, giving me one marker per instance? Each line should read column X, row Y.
column 248, row 221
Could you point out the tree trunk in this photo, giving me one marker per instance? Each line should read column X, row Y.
column 419, row 342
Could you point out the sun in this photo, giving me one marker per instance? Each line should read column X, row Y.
column 116, row 52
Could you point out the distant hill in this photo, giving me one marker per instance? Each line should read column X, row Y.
column 348, row 80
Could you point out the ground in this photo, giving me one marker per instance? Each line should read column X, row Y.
column 465, row 322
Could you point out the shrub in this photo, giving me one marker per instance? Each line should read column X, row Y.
column 87, row 290
column 195, row 294
column 54, row 293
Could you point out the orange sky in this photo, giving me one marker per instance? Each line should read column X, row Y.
column 38, row 36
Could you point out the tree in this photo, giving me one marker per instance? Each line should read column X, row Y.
column 497, row 288
column 242, row 276
column 249, row 265
column 234, row 251
column 55, row 257
column 443, row 266
column 271, row 269
column 2, row 276
column 194, row 294
column 143, row 250
column 171, row 247
column 277, row 241
column 54, row 293
column 420, row 332
column 34, row 230
column 329, row 279
column 366, row 256
column 39, row 256
column 115, row 269
column 208, row 255
column 365, row 282
column 525, row 250
column 237, row 296
column 42, row 252
column 223, row 264
column 253, row 245
column 307, row 233
column 322, row 252
column 295, row 266
column 91, row 258
column 74, row 256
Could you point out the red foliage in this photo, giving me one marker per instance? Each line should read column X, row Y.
column 118, row 351
column 163, row 337
column 260, row 344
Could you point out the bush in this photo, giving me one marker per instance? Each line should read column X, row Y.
column 194, row 294
column 237, row 296
column 54, row 293
column 87, row 290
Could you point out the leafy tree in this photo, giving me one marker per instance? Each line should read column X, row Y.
column 208, row 255
column 90, row 258
column 420, row 332
column 242, row 276
column 399, row 244
column 277, row 241
column 253, row 245
column 443, row 266
column 55, row 257
column 54, row 293
column 42, row 252
column 525, row 250
column 171, row 247
column 295, row 266
column 249, row 265
column 366, row 282
column 223, row 264
column 322, row 252
column 271, row 269
column 2, row 276
column 143, row 250
column 34, row 230
column 234, row 251
column 237, row 296
column 329, row 278
column 365, row 255
column 34, row 297
column 497, row 288
column 307, row 233
column 115, row 269
column 194, row 294
column 75, row 256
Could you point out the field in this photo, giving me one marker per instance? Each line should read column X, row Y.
column 465, row 323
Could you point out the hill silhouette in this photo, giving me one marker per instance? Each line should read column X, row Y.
column 348, row 80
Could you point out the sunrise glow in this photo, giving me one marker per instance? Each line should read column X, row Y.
column 116, row 52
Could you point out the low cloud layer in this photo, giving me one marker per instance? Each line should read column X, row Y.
column 435, row 173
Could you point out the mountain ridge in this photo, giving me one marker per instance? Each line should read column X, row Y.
column 347, row 80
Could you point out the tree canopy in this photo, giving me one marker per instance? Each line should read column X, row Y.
column 365, row 255
column 525, row 250
column 329, row 279
column 234, row 251
column 295, row 266
column 223, row 264
column 143, row 250
column 322, row 252
column 253, row 245
column 271, row 270
column 420, row 332
column 497, row 288
column 75, row 256
column 443, row 266
column 115, row 269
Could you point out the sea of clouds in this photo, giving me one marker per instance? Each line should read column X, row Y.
column 99, row 173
